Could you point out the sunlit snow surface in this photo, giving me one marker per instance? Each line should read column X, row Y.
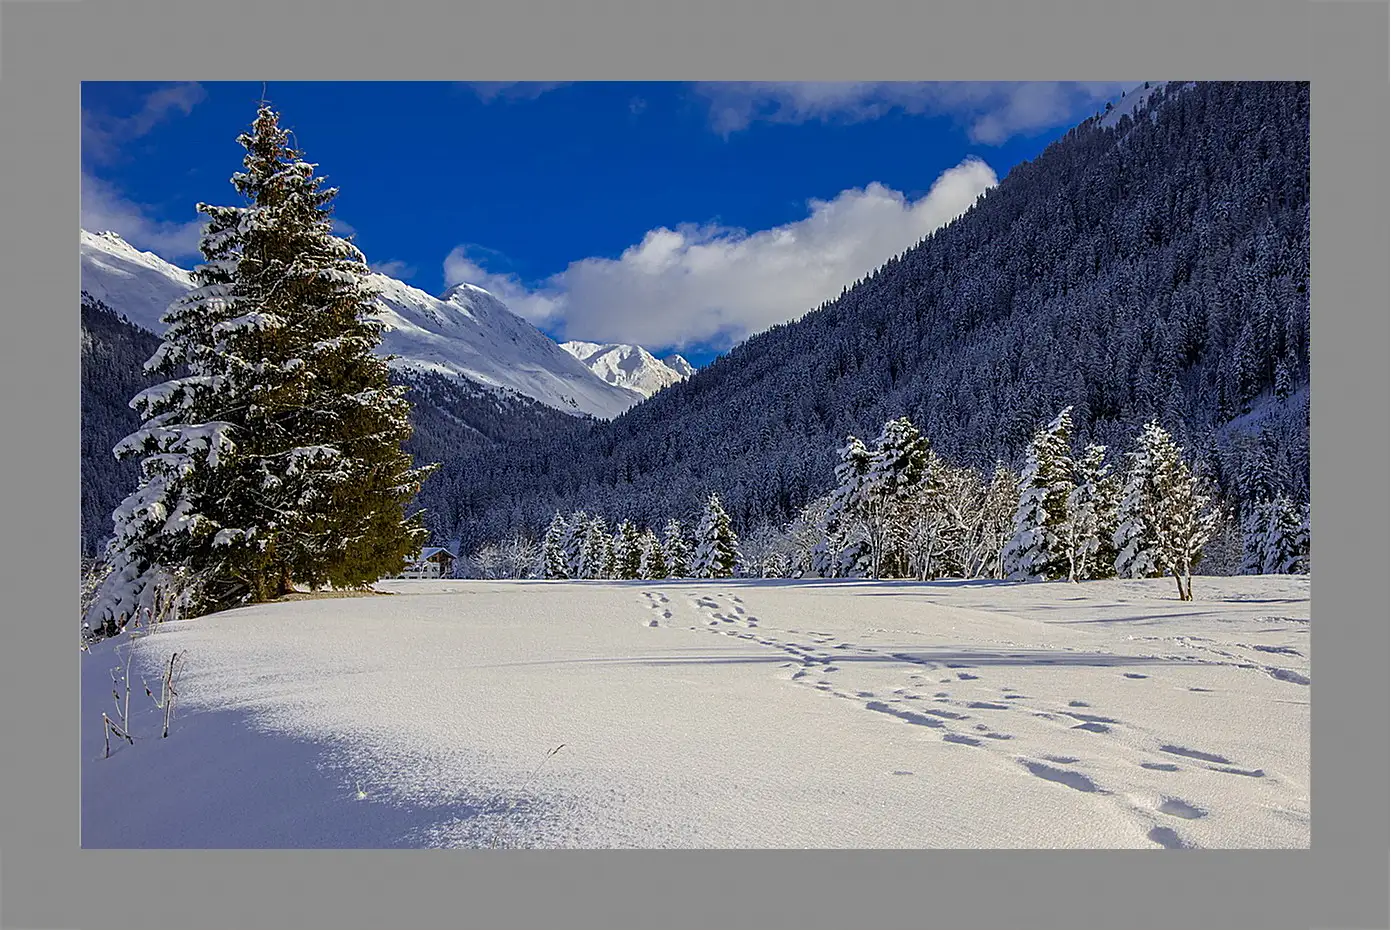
column 732, row 714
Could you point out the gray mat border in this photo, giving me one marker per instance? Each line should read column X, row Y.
column 47, row 47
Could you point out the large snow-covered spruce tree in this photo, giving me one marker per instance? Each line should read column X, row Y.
column 717, row 548
column 1037, row 551
column 272, row 454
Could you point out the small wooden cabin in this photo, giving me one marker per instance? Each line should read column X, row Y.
column 430, row 562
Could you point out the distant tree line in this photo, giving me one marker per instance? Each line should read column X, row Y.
column 899, row 510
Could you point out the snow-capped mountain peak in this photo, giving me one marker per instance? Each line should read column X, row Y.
column 679, row 365
column 629, row 366
column 466, row 331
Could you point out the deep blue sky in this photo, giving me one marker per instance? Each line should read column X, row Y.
column 529, row 179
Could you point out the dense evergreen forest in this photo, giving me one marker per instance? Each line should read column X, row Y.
column 1154, row 269
column 114, row 352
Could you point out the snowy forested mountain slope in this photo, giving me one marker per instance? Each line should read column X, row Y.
column 113, row 357
column 1154, row 267
column 137, row 285
column 467, row 331
column 631, row 367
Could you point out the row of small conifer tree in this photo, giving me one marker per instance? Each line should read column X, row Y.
column 580, row 546
column 899, row 510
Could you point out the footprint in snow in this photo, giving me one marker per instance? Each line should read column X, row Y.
column 1074, row 780
column 1178, row 807
column 1194, row 754
column 1167, row 838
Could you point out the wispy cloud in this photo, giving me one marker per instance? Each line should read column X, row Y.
column 104, row 134
column 707, row 285
column 394, row 268
column 490, row 91
column 991, row 111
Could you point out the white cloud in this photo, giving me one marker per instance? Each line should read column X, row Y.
column 103, row 208
column 992, row 111
column 708, row 285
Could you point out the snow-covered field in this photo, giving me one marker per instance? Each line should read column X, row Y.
column 721, row 714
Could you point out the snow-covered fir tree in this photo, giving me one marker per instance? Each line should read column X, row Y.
column 596, row 555
column 272, row 455
column 844, row 546
column 1036, row 551
column 1286, row 544
column 717, row 547
column 553, row 558
column 1255, row 524
column 896, row 467
column 1089, row 530
column 653, row 564
column 1303, row 541
column 676, row 550
column 1165, row 519
column 627, row 552
column 572, row 543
